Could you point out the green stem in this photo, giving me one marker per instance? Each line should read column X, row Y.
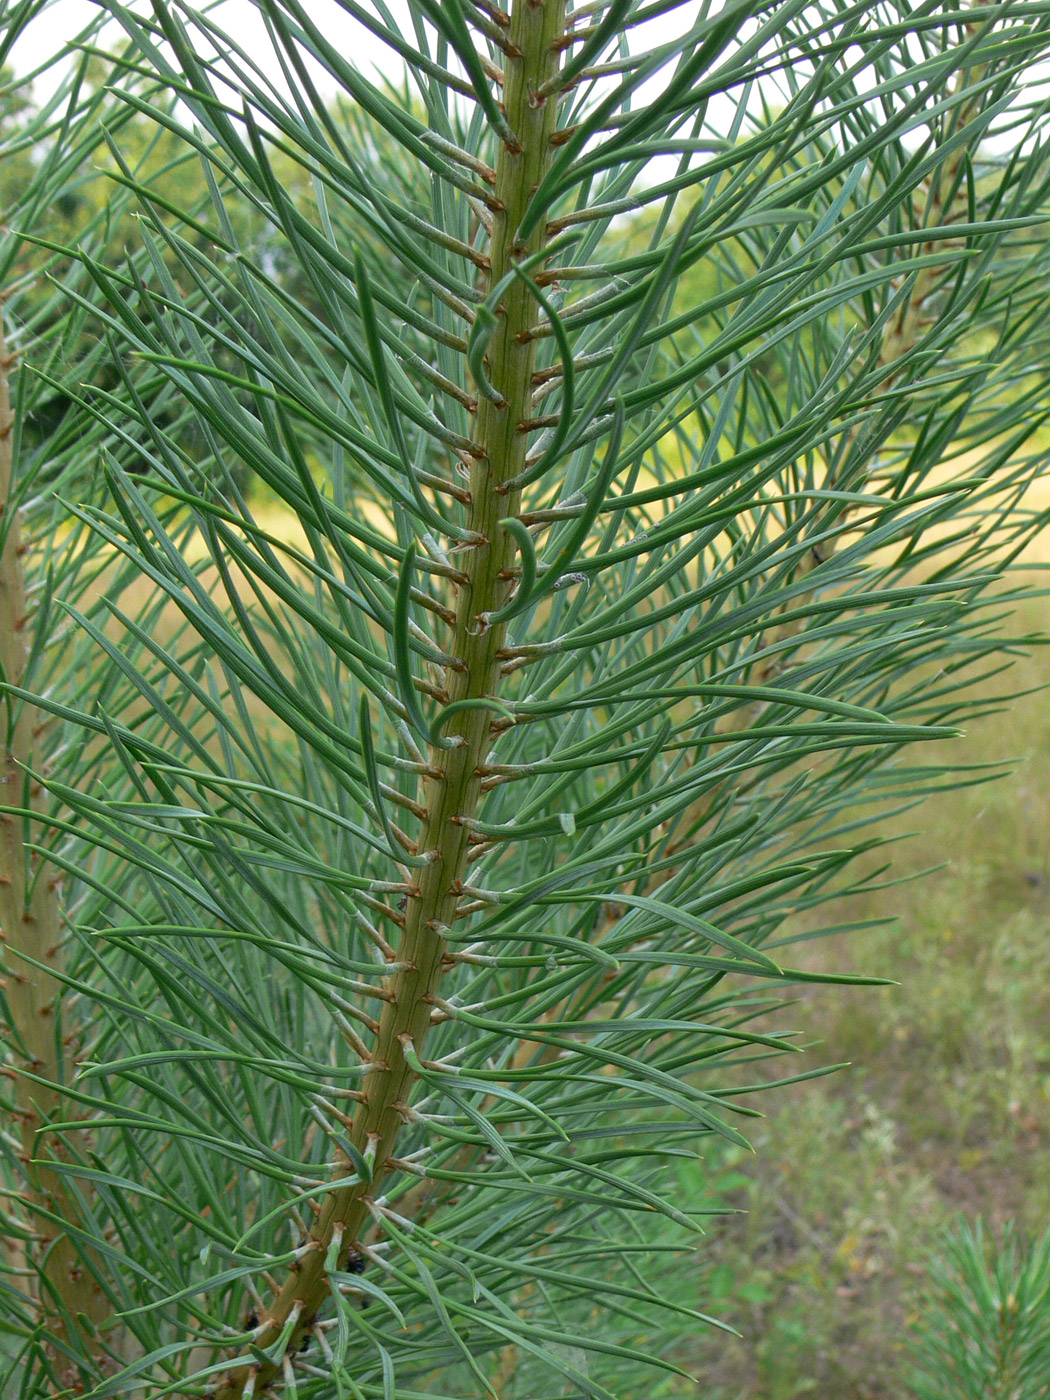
column 454, row 792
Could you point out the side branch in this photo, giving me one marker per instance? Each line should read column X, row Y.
column 55, row 1277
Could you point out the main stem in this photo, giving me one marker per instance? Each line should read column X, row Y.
column 454, row 791
column 55, row 1279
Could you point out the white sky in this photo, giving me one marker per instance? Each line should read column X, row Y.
column 242, row 21
column 240, row 18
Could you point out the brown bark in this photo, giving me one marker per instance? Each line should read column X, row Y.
column 57, row 1279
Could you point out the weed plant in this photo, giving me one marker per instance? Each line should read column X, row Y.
column 986, row 1333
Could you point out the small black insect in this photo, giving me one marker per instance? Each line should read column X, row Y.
column 355, row 1264
column 252, row 1320
column 304, row 1344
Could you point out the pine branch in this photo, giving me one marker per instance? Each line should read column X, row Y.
column 492, row 1018
column 452, row 795
column 942, row 202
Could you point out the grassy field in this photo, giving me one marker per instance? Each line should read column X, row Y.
column 945, row 1108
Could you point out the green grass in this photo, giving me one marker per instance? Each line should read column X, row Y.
column 945, row 1108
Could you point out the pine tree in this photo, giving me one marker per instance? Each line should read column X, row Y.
column 460, row 679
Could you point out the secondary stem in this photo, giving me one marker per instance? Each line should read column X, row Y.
column 57, row 1278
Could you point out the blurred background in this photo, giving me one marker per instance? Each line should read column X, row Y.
column 944, row 1110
